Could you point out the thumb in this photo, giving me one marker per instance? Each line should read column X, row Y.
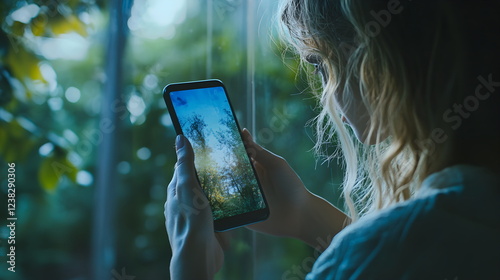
column 185, row 157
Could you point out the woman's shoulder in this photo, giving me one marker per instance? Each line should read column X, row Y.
column 458, row 196
column 434, row 235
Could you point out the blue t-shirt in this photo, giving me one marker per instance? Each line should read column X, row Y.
column 449, row 230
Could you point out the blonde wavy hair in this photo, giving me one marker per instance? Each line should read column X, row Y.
column 408, row 71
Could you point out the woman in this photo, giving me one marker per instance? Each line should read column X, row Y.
column 418, row 84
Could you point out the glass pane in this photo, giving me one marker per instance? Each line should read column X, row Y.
column 284, row 105
column 234, row 41
column 175, row 41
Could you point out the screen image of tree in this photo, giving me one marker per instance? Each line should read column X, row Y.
column 222, row 164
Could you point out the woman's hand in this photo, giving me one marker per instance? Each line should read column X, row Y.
column 196, row 251
column 294, row 211
column 284, row 190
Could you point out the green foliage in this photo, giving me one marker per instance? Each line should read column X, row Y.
column 15, row 141
column 22, row 81
column 53, row 168
column 24, row 65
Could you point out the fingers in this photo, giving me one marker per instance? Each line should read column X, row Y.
column 253, row 149
column 261, row 172
column 224, row 239
column 257, row 152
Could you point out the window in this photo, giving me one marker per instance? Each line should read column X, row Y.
column 89, row 120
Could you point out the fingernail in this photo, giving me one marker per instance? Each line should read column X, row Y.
column 179, row 142
column 247, row 133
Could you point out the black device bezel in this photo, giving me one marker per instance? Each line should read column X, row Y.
column 233, row 221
